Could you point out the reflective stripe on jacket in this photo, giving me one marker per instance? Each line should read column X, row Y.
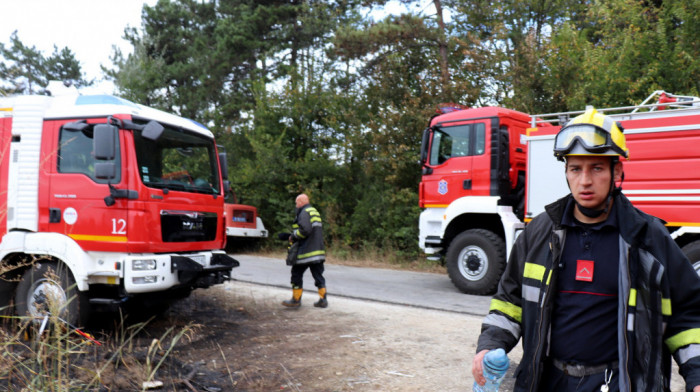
column 308, row 229
column 658, row 313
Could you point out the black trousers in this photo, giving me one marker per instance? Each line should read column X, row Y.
column 316, row 272
column 555, row 380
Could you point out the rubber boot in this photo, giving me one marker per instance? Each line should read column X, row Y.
column 295, row 302
column 322, row 302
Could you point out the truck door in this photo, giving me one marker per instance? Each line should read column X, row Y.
column 76, row 198
column 456, row 164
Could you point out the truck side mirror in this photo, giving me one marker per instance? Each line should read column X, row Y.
column 425, row 142
column 104, row 136
column 105, row 170
column 152, row 131
column 223, row 162
column 227, row 188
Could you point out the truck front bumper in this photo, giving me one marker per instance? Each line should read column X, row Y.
column 150, row 273
column 192, row 274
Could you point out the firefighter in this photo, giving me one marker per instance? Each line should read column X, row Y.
column 311, row 254
column 597, row 290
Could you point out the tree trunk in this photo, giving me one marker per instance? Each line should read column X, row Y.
column 442, row 45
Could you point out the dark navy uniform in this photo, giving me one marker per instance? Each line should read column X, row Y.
column 583, row 333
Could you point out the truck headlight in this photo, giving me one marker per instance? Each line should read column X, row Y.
column 143, row 265
column 145, row 279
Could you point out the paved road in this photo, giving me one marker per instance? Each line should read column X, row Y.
column 426, row 290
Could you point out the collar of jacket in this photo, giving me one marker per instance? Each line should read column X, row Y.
column 631, row 223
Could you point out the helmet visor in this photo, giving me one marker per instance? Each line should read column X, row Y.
column 591, row 138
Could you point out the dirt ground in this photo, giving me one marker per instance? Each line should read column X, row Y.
column 254, row 344
column 246, row 341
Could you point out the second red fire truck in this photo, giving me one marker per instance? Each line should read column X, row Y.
column 488, row 171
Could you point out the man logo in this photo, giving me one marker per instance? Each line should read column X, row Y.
column 192, row 225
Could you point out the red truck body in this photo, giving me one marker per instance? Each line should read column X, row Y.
column 89, row 184
column 473, row 152
column 473, row 230
column 243, row 222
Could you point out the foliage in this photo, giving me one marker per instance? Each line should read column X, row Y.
column 330, row 97
column 331, row 101
column 25, row 70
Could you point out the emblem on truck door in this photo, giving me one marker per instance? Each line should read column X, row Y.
column 70, row 215
column 442, row 187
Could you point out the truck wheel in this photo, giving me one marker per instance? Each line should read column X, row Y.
column 692, row 252
column 475, row 261
column 45, row 287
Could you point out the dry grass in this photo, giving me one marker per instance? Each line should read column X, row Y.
column 58, row 359
column 49, row 354
column 365, row 259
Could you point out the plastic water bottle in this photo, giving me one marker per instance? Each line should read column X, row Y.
column 495, row 365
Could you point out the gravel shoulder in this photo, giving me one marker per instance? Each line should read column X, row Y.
column 247, row 341
column 352, row 345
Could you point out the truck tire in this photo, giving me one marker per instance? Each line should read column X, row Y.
column 692, row 252
column 475, row 261
column 46, row 286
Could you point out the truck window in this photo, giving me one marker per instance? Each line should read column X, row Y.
column 479, row 139
column 75, row 154
column 457, row 141
column 178, row 160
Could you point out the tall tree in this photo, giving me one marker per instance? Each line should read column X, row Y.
column 25, row 70
column 318, row 96
column 22, row 69
column 63, row 66
column 507, row 42
column 620, row 51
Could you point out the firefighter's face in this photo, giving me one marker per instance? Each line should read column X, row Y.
column 589, row 179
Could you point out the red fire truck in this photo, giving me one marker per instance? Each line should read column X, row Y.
column 104, row 202
column 488, row 171
column 242, row 221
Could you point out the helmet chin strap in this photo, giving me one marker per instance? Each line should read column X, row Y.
column 591, row 213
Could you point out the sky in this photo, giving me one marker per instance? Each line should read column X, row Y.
column 89, row 28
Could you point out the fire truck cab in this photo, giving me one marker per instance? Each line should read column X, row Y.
column 488, row 171
column 105, row 201
column 473, row 182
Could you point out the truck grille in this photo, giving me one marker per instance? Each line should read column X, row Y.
column 187, row 226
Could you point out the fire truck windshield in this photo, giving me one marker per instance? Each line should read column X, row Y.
column 179, row 160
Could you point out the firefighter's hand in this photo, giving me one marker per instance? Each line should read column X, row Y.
column 478, row 371
column 291, row 239
column 697, row 388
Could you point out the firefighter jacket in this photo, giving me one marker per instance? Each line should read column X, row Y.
column 308, row 230
column 659, row 301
